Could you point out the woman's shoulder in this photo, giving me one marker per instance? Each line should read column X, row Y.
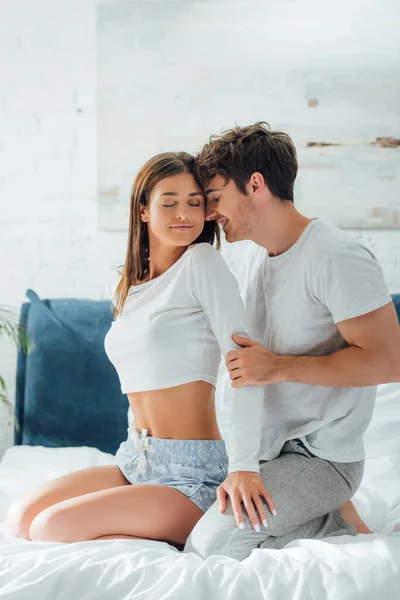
column 207, row 259
column 204, row 250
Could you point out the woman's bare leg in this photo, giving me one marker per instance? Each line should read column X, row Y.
column 145, row 511
column 179, row 547
column 118, row 537
column 85, row 481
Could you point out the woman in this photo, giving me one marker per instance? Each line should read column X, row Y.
column 176, row 307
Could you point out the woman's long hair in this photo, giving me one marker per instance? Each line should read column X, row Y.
column 135, row 269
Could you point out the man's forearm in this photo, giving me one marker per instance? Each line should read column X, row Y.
column 350, row 367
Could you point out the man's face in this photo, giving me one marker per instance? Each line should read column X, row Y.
column 234, row 211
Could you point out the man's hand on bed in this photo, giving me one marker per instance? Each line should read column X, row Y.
column 246, row 487
column 252, row 364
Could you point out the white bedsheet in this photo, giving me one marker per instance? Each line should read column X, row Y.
column 333, row 569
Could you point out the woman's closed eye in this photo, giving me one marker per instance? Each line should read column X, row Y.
column 193, row 204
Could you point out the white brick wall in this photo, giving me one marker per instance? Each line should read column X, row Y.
column 48, row 232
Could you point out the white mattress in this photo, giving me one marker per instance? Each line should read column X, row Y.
column 336, row 569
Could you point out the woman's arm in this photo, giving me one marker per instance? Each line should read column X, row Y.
column 217, row 290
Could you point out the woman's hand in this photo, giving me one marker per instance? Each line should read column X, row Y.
column 246, row 487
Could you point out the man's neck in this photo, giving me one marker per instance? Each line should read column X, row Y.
column 281, row 228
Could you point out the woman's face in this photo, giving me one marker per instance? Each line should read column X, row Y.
column 175, row 212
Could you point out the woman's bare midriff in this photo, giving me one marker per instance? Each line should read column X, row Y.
column 183, row 412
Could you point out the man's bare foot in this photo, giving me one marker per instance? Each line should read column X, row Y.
column 351, row 516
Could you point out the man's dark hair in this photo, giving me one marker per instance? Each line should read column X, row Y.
column 238, row 153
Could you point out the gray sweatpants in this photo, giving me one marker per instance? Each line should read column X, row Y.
column 306, row 491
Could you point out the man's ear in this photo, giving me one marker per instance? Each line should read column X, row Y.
column 143, row 213
column 257, row 182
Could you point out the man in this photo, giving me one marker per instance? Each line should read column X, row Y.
column 329, row 334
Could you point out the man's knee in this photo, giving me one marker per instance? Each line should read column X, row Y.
column 203, row 540
column 218, row 534
column 210, row 534
column 200, row 544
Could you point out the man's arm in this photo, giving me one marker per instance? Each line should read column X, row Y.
column 373, row 357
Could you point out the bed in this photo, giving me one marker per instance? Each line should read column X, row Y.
column 84, row 430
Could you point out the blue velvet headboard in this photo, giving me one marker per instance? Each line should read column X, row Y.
column 68, row 393
column 396, row 302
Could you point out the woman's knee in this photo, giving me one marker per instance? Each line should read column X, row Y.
column 51, row 525
column 19, row 518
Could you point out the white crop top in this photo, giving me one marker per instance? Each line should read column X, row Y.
column 172, row 331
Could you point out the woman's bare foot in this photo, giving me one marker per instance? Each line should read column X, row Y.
column 351, row 516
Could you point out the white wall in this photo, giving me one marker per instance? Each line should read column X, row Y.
column 48, row 231
column 171, row 74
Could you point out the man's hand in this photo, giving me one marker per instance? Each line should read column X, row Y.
column 246, row 487
column 253, row 364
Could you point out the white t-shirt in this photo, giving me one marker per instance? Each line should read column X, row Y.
column 172, row 331
column 294, row 301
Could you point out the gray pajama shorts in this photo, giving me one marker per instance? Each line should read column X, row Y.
column 194, row 467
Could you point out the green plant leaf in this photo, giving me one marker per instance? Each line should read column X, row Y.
column 15, row 331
